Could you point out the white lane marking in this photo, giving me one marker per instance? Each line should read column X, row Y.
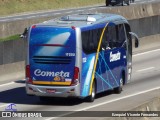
column 32, row 16
column 17, row 18
column 43, row 15
column 80, row 10
column 106, row 102
column 69, row 12
column 142, row 70
column 143, row 2
column 146, row 52
column 5, row 20
column 7, row 84
column 57, row 13
column 91, row 8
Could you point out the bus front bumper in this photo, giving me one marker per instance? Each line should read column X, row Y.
column 53, row 91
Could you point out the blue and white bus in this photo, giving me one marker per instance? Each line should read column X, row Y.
column 79, row 55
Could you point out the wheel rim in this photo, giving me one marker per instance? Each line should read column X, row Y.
column 121, row 83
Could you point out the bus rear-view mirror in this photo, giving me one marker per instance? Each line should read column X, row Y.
column 24, row 34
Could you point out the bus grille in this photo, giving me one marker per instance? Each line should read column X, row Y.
column 52, row 59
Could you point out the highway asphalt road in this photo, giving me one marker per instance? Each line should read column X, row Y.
column 144, row 86
column 54, row 13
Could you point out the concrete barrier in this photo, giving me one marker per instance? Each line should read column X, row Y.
column 135, row 11
column 12, row 72
column 12, row 51
column 148, row 43
column 130, row 12
column 146, row 26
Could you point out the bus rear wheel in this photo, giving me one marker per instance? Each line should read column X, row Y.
column 93, row 93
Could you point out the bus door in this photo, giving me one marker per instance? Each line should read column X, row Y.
column 111, row 58
column 128, row 46
column 115, row 53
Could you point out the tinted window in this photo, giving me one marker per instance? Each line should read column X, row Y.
column 114, row 36
column 121, row 36
column 90, row 40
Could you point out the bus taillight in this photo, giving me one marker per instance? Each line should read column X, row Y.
column 75, row 80
column 73, row 27
column 34, row 26
column 28, row 75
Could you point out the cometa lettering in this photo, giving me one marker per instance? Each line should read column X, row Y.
column 39, row 72
column 115, row 57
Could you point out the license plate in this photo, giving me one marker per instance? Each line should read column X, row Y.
column 51, row 90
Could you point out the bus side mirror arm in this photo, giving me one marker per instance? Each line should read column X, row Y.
column 136, row 39
column 21, row 36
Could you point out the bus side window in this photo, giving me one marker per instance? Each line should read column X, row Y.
column 112, row 36
column 96, row 37
column 85, row 41
column 90, row 40
column 121, row 36
column 105, row 40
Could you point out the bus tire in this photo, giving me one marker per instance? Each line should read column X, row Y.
column 118, row 90
column 93, row 93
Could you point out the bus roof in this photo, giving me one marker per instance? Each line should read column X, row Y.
column 83, row 20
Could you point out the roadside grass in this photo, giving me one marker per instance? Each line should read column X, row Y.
column 13, row 37
column 8, row 7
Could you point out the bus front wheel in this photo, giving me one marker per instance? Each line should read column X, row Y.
column 118, row 90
